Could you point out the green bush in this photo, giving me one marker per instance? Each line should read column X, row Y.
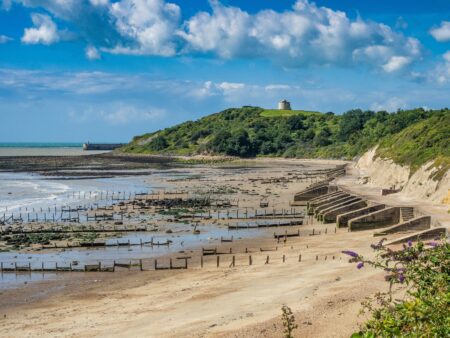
column 425, row 309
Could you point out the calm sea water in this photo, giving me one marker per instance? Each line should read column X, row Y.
column 44, row 149
column 41, row 145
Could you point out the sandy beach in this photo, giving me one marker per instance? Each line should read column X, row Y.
column 308, row 273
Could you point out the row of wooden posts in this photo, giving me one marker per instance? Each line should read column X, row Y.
column 74, row 216
column 99, row 267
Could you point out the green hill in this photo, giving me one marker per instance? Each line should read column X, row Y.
column 409, row 136
column 421, row 142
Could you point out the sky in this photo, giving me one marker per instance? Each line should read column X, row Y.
column 107, row 70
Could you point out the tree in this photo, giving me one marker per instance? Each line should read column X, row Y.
column 219, row 144
column 295, row 122
column 322, row 137
column 352, row 122
column 159, row 143
column 239, row 144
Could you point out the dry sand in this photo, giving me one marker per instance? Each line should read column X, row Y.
column 244, row 301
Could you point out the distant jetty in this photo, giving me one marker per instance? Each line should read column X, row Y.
column 102, row 146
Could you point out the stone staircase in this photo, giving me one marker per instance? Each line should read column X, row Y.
column 407, row 213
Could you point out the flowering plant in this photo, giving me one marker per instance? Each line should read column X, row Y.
column 424, row 310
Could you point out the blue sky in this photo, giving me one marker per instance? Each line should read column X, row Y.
column 106, row 70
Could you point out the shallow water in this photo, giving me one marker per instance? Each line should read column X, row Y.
column 27, row 193
column 182, row 239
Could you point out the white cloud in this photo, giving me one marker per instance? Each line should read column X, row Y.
column 230, row 85
column 92, row 53
column 277, row 87
column 4, row 39
column 45, row 31
column 389, row 104
column 116, row 114
column 441, row 73
column 442, row 33
column 148, row 24
column 210, row 88
column 396, row 63
column 99, row 2
column 127, row 114
column 306, row 34
column 446, row 56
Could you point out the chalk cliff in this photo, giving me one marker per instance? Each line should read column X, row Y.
column 425, row 182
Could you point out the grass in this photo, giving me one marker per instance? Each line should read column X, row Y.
column 278, row 113
column 420, row 143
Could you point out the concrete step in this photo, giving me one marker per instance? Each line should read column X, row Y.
column 421, row 235
column 415, row 224
column 407, row 213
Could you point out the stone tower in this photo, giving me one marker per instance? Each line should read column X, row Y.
column 284, row 105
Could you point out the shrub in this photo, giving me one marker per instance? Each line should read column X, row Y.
column 288, row 321
column 424, row 310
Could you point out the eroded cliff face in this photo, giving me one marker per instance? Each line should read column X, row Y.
column 386, row 174
column 382, row 173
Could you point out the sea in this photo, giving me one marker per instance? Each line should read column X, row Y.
column 23, row 192
column 44, row 149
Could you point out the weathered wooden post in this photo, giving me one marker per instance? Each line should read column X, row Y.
column 299, row 258
column 284, row 258
column 201, row 261
column 140, row 265
column 218, row 260
column 250, row 262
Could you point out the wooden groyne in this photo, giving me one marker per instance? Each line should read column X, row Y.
column 227, row 260
column 103, row 244
column 257, row 225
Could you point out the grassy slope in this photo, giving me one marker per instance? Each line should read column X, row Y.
column 420, row 143
column 409, row 137
column 278, row 113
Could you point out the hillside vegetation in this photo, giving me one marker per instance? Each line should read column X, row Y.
column 409, row 136
column 420, row 143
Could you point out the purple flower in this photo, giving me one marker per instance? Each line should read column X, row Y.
column 360, row 265
column 350, row 253
column 401, row 278
column 433, row 244
column 379, row 245
column 410, row 243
